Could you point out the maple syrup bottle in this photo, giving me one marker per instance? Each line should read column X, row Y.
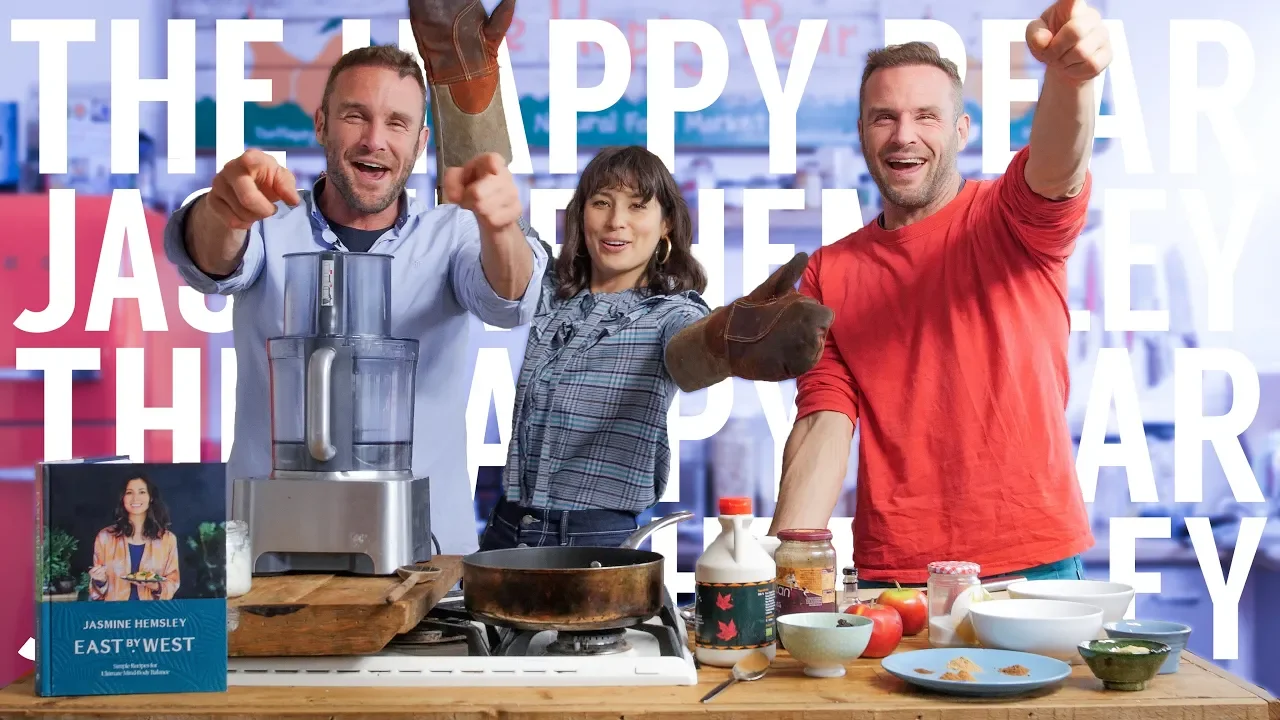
column 735, row 591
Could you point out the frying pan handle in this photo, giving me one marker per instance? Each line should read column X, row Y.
column 633, row 541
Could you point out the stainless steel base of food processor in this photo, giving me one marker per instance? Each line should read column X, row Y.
column 360, row 523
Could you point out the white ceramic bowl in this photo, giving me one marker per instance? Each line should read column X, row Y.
column 1045, row 627
column 820, row 641
column 1113, row 597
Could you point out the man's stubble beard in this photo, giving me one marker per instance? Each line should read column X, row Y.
column 335, row 171
column 941, row 170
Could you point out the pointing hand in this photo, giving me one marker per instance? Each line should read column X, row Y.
column 485, row 187
column 247, row 189
column 1071, row 40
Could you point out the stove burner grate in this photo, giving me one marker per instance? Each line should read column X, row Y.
column 442, row 633
column 498, row 641
column 595, row 642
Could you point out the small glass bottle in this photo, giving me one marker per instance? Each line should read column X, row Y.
column 239, row 559
column 851, row 586
column 948, row 580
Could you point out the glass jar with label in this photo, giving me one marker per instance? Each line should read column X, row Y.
column 239, row 559
column 806, row 563
column 952, row 588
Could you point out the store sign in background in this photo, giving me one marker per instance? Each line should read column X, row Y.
column 739, row 118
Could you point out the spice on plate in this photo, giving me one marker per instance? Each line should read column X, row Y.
column 961, row 675
column 924, row 671
column 1018, row 670
column 964, row 665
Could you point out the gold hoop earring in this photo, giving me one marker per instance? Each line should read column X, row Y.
column 667, row 255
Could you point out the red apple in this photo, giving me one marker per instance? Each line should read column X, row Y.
column 886, row 628
column 910, row 604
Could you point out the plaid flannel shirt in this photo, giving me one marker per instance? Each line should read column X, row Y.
column 590, row 420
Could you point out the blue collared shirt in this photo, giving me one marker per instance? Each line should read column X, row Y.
column 437, row 284
column 590, row 423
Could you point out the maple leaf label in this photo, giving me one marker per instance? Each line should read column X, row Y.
column 735, row 615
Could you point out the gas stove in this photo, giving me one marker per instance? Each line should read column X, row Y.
column 451, row 648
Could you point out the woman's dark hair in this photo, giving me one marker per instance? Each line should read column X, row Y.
column 638, row 170
column 157, row 521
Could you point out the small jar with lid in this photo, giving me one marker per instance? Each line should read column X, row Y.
column 806, row 564
column 949, row 582
column 239, row 559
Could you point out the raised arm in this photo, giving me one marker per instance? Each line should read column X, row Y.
column 458, row 43
column 488, row 294
column 816, row 456
column 1073, row 43
column 485, row 187
column 215, row 241
column 1042, row 199
column 245, row 191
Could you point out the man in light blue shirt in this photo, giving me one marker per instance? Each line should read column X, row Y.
column 450, row 262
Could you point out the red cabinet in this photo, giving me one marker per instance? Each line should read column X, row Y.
column 25, row 284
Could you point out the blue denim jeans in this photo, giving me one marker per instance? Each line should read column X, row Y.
column 1070, row 569
column 512, row 525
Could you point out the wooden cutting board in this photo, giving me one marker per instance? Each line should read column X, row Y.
column 290, row 615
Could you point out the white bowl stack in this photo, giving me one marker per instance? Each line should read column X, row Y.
column 1054, row 628
column 1114, row 598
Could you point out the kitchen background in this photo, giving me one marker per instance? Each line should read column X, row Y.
column 724, row 147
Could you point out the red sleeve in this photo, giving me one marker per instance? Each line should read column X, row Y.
column 828, row 385
column 1045, row 227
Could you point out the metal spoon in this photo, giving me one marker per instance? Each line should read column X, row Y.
column 412, row 574
column 751, row 667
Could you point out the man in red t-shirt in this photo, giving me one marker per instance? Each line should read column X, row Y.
column 950, row 339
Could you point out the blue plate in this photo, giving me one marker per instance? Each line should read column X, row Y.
column 990, row 682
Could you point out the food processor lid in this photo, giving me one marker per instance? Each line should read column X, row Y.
column 332, row 293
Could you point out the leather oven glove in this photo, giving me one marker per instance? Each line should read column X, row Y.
column 459, row 44
column 772, row 334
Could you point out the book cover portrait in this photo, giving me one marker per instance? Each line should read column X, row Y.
column 132, row 578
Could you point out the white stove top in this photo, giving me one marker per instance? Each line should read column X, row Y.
column 643, row 663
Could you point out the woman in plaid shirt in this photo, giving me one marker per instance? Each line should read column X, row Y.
column 589, row 448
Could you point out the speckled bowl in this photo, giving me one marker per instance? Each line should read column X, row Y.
column 819, row 642
column 1120, row 670
column 1173, row 634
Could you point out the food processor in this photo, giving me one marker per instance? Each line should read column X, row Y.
column 341, row 496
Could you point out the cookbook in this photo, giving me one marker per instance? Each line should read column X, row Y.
column 131, row 577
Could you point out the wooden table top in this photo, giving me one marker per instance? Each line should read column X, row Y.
column 1199, row 690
